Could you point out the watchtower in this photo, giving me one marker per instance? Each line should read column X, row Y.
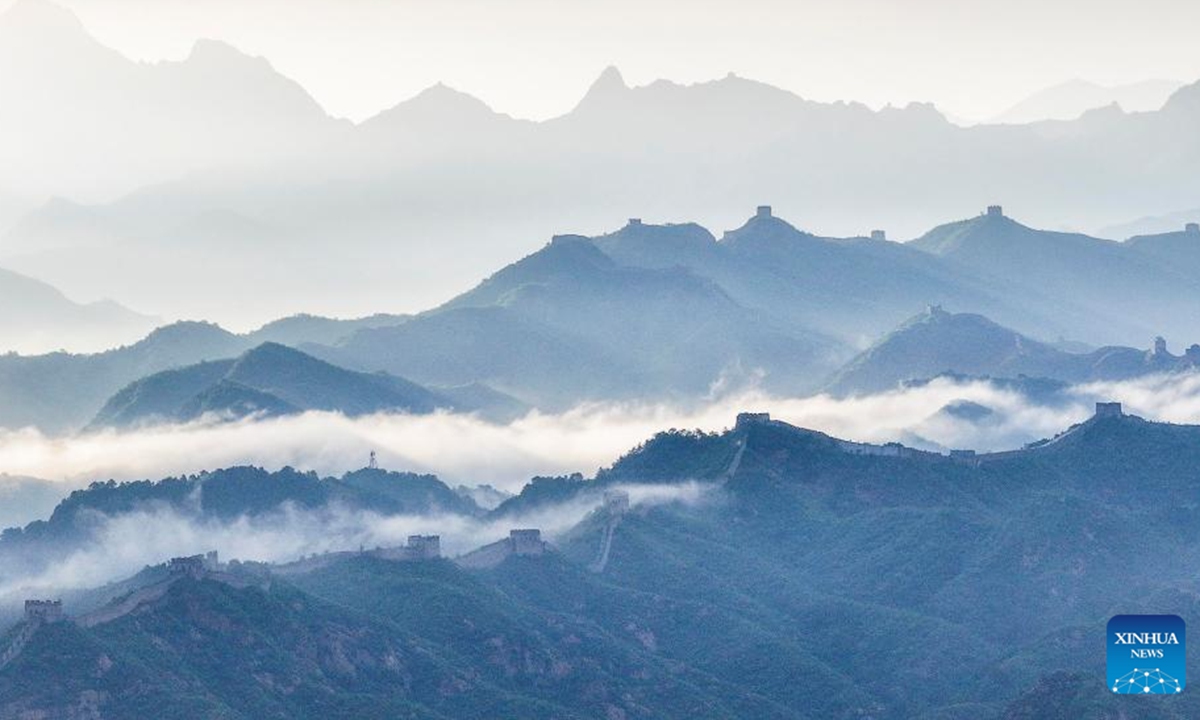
column 1108, row 410
column 43, row 611
column 995, row 211
column 752, row 418
column 192, row 566
column 879, row 235
column 425, row 547
column 1192, row 228
column 635, row 222
column 526, row 542
column 763, row 211
column 616, row 502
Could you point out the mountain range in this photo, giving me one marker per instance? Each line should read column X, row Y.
column 221, row 496
column 63, row 391
column 268, row 380
column 145, row 122
column 25, row 499
column 35, row 317
column 1069, row 100
column 286, row 179
column 905, row 584
column 1140, row 283
column 938, row 342
column 670, row 313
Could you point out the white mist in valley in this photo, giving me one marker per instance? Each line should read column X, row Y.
column 464, row 449
column 123, row 544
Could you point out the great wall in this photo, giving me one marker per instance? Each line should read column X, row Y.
column 521, row 542
column 745, row 421
column 616, row 504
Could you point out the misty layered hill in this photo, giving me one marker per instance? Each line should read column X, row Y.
column 1153, row 224
column 370, row 639
column 60, row 391
column 938, row 342
column 903, row 562
column 84, row 121
column 210, row 498
column 668, row 312
column 569, row 323
column 269, row 380
column 393, row 188
column 1069, row 100
column 303, row 329
column 36, row 317
column 867, row 569
column 25, row 499
column 1133, row 291
column 852, row 289
column 1181, row 247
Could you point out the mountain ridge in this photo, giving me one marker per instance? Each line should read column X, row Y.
column 36, row 316
column 269, row 379
column 643, row 150
column 807, row 540
column 938, row 342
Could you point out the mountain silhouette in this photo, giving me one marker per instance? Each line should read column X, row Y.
column 938, row 342
column 269, row 380
column 232, row 137
column 36, row 317
column 868, row 569
column 1076, row 272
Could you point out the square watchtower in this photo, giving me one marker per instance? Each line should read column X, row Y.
column 43, row 611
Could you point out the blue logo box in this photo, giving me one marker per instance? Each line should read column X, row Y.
column 1146, row 654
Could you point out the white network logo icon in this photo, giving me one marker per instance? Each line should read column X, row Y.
column 1143, row 680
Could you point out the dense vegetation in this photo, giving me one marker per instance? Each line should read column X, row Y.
column 220, row 496
column 810, row 583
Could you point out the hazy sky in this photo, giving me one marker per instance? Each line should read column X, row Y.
column 535, row 58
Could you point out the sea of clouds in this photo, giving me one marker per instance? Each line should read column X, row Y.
column 121, row 545
column 464, row 449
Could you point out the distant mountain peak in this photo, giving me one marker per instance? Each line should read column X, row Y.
column 611, row 84
column 636, row 227
column 917, row 111
column 45, row 35
column 1185, row 99
column 565, row 252
column 441, row 92
column 439, row 103
column 184, row 330
column 40, row 16
column 1112, row 109
column 990, row 228
column 210, row 50
column 764, row 223
column 1075, row 98
column 271, row 349
column 610, row 79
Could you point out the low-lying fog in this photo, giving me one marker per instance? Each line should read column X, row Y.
column 124, row 544
column 463, row 449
